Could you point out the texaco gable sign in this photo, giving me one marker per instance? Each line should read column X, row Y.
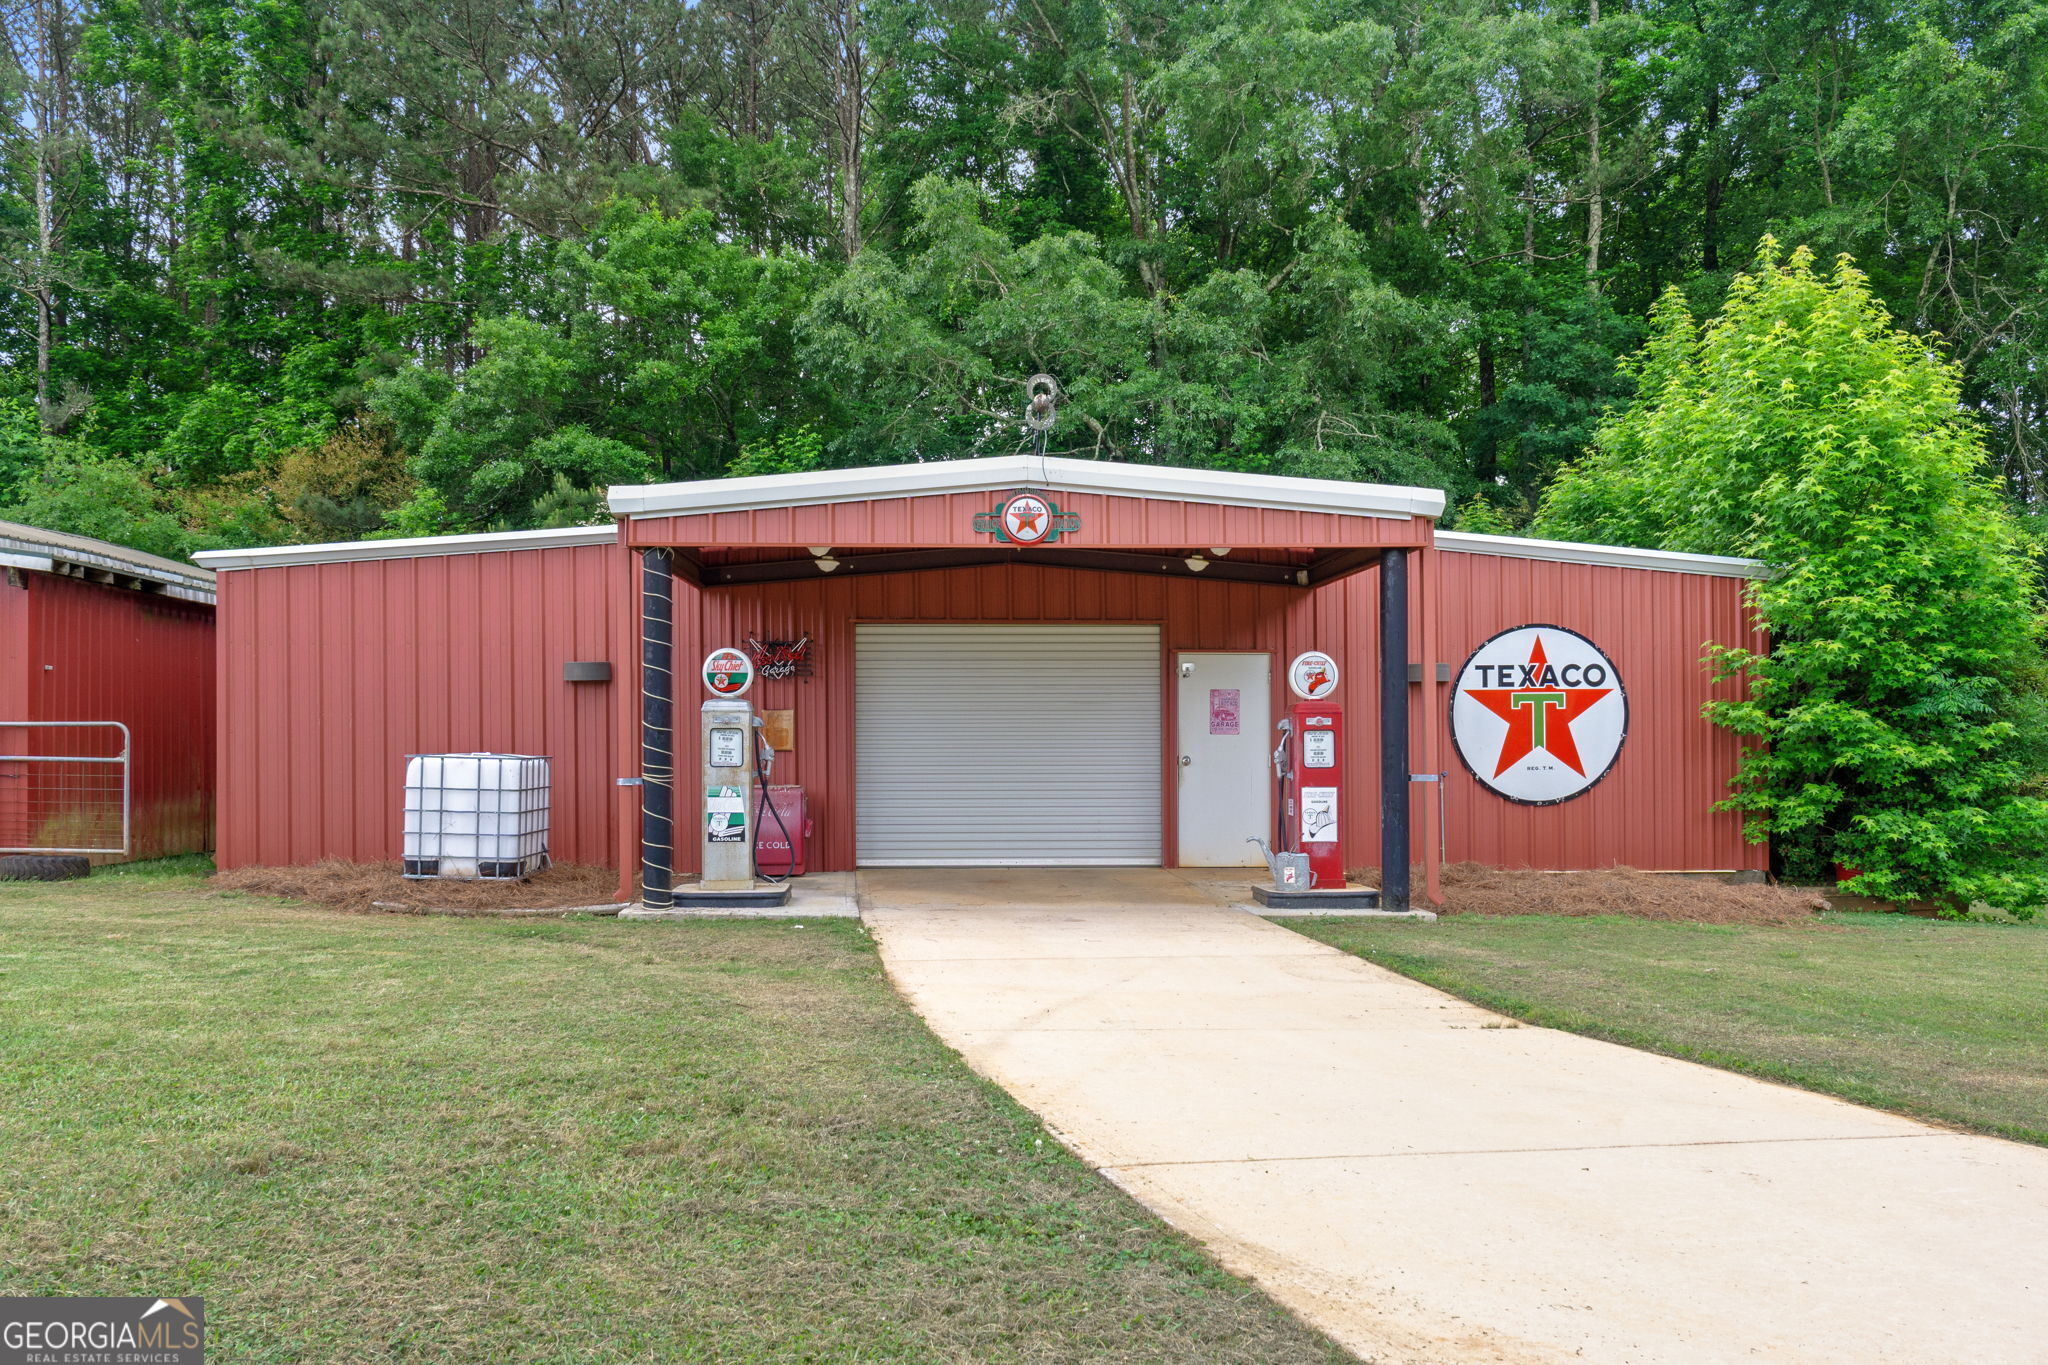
column 1539, row 714
column 1027, row 517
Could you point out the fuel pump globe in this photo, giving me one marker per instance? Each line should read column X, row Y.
column 728, row 672
column 1312, row 676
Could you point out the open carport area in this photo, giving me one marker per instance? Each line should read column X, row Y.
column 1429, row 1181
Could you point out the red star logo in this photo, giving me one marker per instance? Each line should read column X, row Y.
column 1025, row 519
column 1539, row 716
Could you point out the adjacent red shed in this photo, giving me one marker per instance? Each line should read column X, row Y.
column 89, row 633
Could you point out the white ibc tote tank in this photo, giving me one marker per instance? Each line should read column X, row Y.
column 475, row 816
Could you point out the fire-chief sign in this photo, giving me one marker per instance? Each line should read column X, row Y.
column 1539, row 714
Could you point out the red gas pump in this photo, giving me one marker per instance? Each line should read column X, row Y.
column 1318, row 742
column 1313, row 810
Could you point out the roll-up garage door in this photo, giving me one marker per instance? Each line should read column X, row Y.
column 1020, row 745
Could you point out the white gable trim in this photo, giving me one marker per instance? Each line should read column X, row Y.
column 1607, row 556
column 1000, row 473
column 417, row 547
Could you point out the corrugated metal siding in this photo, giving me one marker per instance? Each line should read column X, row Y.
column 1010, row 744
column 1106, row 522
column 1192, row 615
column 100, row 653
column 332, row 673
column 1653, row 810
column 14, row 662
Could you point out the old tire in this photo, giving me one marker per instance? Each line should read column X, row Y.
column 42, row 867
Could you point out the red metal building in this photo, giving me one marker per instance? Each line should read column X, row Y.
column 94, row 632
column 973, row 696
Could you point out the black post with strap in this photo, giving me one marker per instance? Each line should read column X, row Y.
column 657, row 730
column 1394, row 841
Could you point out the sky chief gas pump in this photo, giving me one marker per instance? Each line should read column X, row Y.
column 735, row 766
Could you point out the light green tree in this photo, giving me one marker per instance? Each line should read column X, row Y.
column 1898, row 707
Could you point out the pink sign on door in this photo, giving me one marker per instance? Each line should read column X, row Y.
column 1223, row 710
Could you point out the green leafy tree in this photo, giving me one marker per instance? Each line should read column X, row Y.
column 1313, row 371
column 1898, row 706
column 657, row 350
column 89, row 494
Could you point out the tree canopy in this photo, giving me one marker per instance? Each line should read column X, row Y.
column 308, row 269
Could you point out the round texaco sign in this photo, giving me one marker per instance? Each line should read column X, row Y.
column 1538, row 714
column 1027, row 518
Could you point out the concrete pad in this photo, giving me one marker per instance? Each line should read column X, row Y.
column 1432, row 1183
column 1013, row 888
column 818, row 895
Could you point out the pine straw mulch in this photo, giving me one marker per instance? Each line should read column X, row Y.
column 358, row 887
column 1471, row 889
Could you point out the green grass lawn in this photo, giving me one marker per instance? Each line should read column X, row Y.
column 384, row 1138
column 1946, row 1021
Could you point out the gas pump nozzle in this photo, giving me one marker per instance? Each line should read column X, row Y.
column 1283, row 774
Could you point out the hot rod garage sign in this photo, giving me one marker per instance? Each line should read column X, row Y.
column 1539, row 714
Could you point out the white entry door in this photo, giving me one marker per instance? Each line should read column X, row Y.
column 1225, row 722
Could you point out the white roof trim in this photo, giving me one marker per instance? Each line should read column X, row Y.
column 1002, row 472
column 417, row 547
column 1608, row 556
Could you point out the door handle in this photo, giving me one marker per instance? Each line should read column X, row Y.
column 1185, row 760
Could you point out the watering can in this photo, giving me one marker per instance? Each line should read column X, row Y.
column 1290, row 870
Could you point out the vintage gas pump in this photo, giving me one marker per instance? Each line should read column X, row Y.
column 1309, row 766
column 1315, row 723
column 726, row 732
column 1319, row 781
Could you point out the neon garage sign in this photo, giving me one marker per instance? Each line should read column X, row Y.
column 1538, row 714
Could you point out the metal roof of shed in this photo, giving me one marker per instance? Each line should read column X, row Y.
column 409, row 547
column 995, row 474
column 999, row 473
column 31, row 547
column 1609, row 556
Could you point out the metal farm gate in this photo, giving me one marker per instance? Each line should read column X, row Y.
column 64, row 787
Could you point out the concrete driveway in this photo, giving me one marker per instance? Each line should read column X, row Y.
column 1429, row 1182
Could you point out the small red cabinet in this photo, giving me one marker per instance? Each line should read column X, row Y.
column 781, row 846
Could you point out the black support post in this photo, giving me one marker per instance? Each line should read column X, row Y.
column 657, row 730
column 1394, row 730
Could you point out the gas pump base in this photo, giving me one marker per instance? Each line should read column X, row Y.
column 1316, row 900
column 688, row 898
